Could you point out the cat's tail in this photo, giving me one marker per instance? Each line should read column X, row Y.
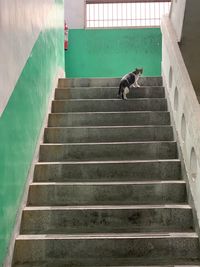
column 120, row 92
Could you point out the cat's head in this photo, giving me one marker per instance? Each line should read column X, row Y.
column 138, row 71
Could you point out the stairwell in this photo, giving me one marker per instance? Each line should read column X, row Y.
column 107, row 190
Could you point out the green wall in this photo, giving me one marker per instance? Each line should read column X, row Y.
column 113, row 52
column 20, row 125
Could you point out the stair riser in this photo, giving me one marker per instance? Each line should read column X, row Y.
column 97, row 252
column 103, row 92
column 128, row 134
column 129, row 151
column 59, row 195
column 105, row 221
column 109, row 119
column 106, row 82
column 60, row 106
column 163, row 170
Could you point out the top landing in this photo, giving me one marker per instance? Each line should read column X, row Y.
column 106, row 82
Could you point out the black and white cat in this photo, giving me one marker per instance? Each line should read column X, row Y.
column 128, row 80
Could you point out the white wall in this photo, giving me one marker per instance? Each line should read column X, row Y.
column 75, row 13
column 185, row 110
column 177, row 16
column 20, row 24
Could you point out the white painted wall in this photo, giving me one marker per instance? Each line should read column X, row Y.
column 185, row 109
column 20, row 24
column 177, row 16
column 75, row 13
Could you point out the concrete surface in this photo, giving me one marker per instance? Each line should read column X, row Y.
column 113, row 203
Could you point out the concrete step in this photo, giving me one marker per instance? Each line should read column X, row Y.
column 108, row 171
column 108, row 134
column 107, row 249
column 105, row 82
column 106, row 219
column 109, row 118
column 108, row 92
column 104, row 105
column 188, row 263
column 107, row 193
column 107, row 151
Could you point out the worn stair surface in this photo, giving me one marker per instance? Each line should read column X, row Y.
column 107, row 190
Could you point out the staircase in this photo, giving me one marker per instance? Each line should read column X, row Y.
column 107, row 190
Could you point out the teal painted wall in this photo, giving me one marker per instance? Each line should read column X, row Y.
column 21, row 122
column 113, row 52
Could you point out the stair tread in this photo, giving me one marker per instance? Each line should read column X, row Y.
column 110, row 236
column 114, row 81
column 107, row 161
column 186, row 263
column 151, row 182
column 148, row 266
column 109, row 87
column 109, row 207
column 108, row 99
column 109, row 143
column 117, row 118
column 112, row 127
column 111, row 112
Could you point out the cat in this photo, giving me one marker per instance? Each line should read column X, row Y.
column 128, row 80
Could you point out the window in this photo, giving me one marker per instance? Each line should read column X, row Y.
column 125, row 14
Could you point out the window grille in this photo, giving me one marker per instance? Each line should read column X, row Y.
column 108, row 14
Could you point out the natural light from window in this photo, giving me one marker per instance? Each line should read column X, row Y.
column 125, row 14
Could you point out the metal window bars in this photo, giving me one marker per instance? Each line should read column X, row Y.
column 116, row 13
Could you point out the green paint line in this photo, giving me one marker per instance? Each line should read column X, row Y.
column 113, row 52
column 20, row 125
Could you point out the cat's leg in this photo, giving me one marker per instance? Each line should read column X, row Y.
column 126, row 91
column 136, row 83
